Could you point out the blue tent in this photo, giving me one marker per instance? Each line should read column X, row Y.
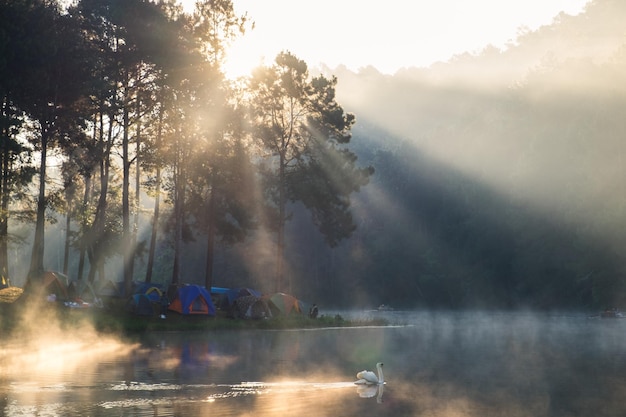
column 141, row 305
column 193, row 299
column 219, row 290
column 219, row 296
column 143, row 287
column 153, row 291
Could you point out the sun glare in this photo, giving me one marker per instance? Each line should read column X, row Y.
column 435, row 31
column 243, row 56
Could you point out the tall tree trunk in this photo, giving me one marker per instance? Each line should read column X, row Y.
column 157, row 199
column 4, row 214
column 36, row 260
column 126, row 249
column 87, row 232
column 66, row 248
column 133, row 237
column 96, row 257
column 83, row 246
column 177, row 242
column 179, row 198
column 95, row 254
column 5, row 192
column 155, row 226
column 280, row 244
column 210, row 247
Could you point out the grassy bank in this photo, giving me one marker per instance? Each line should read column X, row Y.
column 118, row 321
column 107, row 322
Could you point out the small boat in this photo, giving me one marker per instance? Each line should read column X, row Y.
column 612, row 314
column 384, row 307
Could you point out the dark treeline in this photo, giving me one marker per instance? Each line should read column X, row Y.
column 499, row 176
column 118, row 123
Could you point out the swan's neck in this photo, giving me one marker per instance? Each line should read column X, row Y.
column 381, row 378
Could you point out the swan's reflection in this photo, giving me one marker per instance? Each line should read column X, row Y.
column 369, row 391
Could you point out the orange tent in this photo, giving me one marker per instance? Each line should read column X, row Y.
column 193, row 299
column 283, row 303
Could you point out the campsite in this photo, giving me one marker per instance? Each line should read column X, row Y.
column 151, row 306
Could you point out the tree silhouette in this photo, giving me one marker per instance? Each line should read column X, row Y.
column 303, row 132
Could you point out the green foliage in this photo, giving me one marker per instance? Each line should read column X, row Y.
column 303, row 132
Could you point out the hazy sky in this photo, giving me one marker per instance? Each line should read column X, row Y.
column 387, row 35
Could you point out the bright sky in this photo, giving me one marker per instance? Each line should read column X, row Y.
column 388, row 35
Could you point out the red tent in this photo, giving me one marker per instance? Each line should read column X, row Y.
column 49, row 283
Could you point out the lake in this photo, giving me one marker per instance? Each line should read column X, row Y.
column 435, row 364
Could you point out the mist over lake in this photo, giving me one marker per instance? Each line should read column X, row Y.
column 436, row 364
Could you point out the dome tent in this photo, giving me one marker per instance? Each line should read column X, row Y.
column 140, row 305
column 281, row 303
column 192, row 299
column 50, row 284
column 153, row 291
column 250, row 307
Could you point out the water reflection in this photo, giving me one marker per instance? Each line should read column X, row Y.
column 436, row 365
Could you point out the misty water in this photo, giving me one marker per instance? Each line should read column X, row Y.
column 435, row 364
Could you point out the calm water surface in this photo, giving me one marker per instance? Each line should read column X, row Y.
column 436, row 364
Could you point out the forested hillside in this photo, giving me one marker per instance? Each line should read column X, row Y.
column 500, row 176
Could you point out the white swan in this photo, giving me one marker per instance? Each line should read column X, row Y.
column 369, row 391
column 370, row 378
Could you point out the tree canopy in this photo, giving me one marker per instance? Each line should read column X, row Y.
column 129, row 100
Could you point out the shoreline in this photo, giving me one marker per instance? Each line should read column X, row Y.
column 118, row 321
